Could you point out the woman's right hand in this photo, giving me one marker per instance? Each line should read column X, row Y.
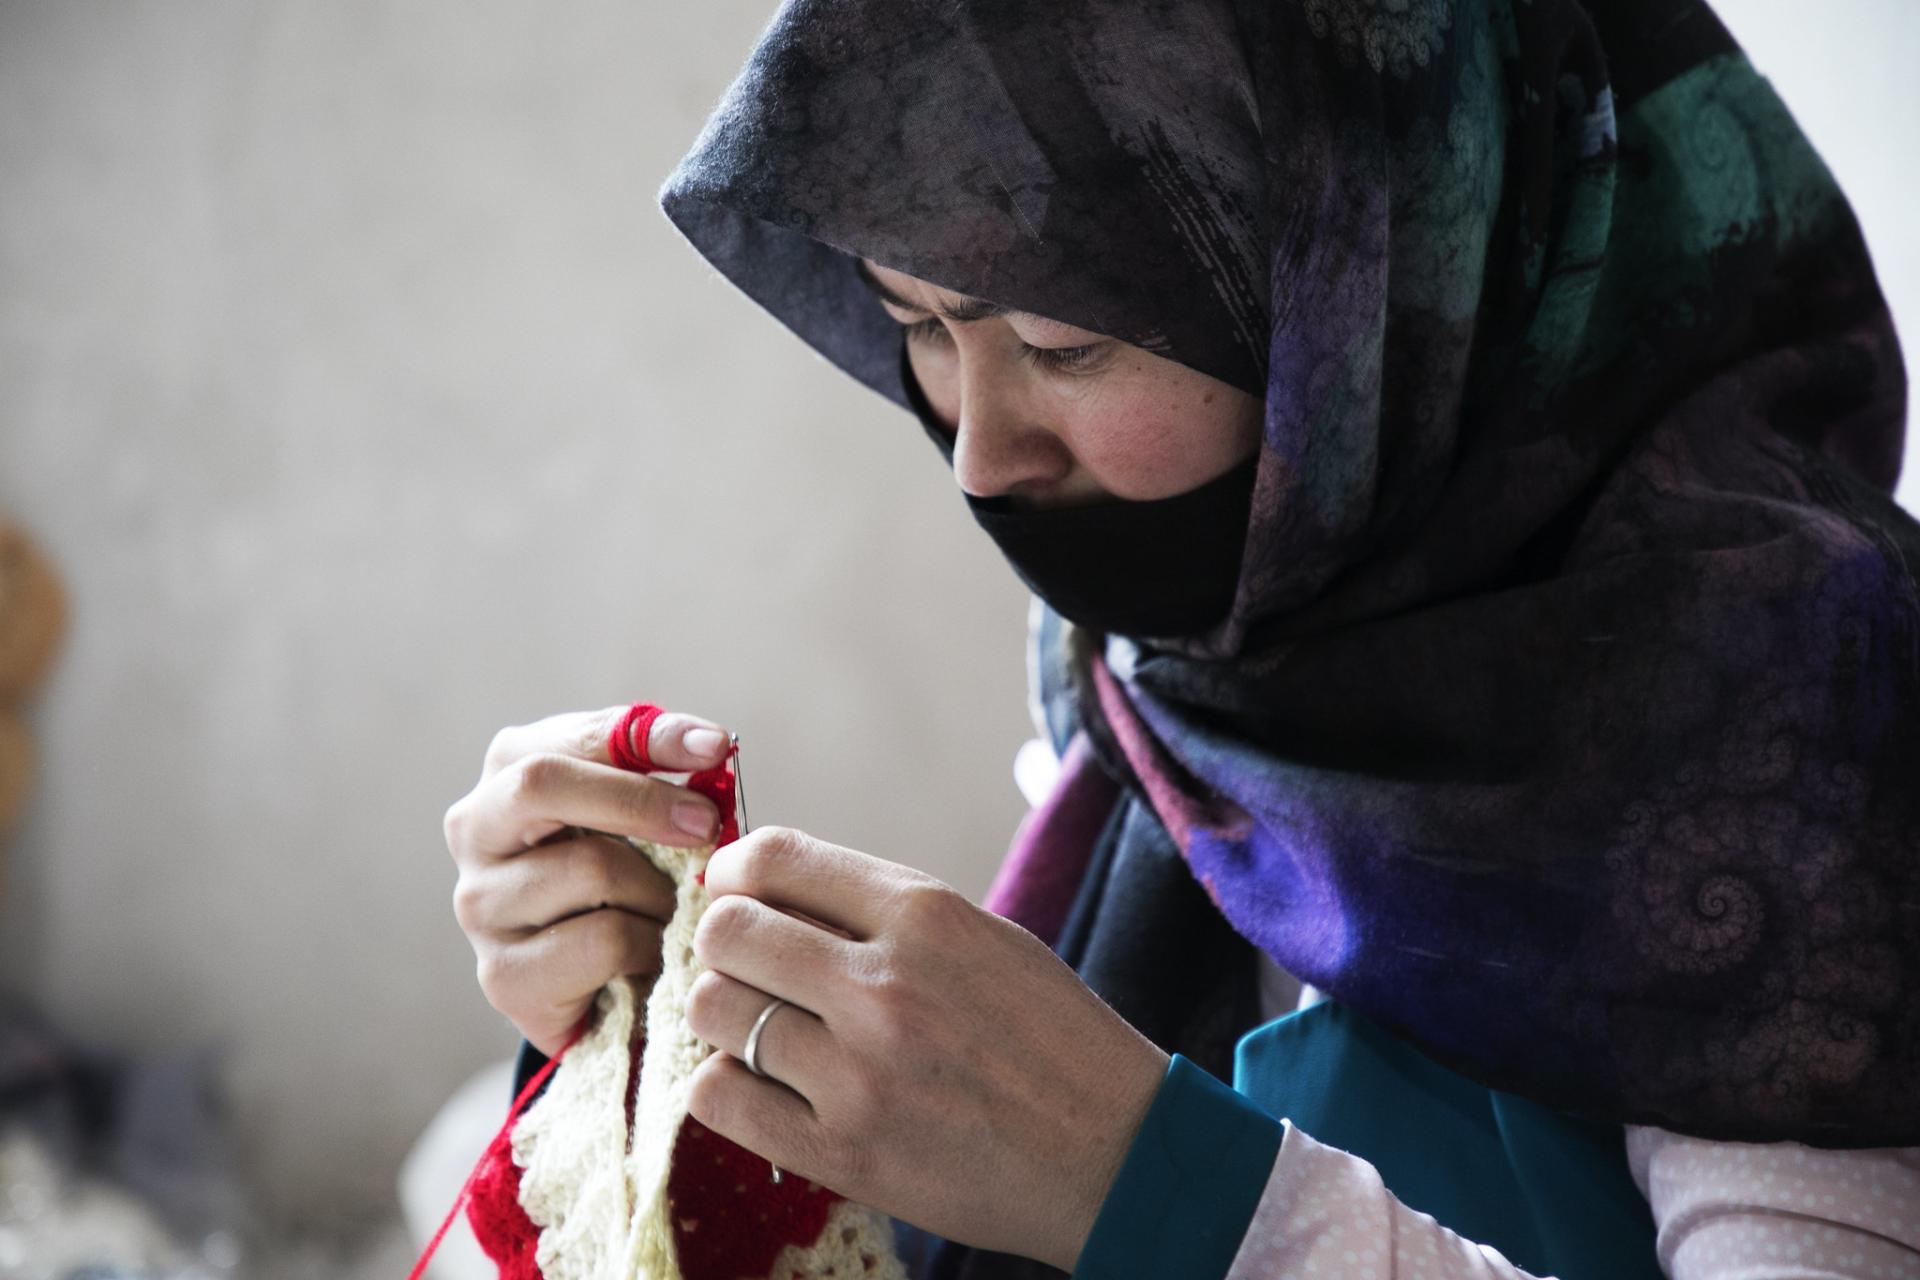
column 554, row 913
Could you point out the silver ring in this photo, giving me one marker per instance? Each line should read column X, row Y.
column 753, row 1036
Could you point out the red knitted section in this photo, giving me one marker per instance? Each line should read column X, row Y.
column 717, row 785
column 730, row 1219
column 495, row 1221
column 502, row 1227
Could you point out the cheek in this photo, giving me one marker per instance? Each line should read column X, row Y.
column 1153, row 437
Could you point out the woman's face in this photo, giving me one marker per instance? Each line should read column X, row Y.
column 1052, row 414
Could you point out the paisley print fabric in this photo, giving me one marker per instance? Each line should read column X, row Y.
column 1567, row 719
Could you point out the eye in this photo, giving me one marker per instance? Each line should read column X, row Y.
column 1063, row 359
column 1056, row 359
column 928, row 330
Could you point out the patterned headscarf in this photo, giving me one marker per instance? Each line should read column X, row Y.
column 1567, row 719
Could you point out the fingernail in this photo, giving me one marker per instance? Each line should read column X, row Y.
column 694, row 817
column 702, row 742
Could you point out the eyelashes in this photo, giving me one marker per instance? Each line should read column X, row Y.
column 928, row 330
column 1057, row 359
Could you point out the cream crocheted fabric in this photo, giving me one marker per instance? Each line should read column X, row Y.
column 600, row 1203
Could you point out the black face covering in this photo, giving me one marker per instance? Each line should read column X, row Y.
column 1160, row 567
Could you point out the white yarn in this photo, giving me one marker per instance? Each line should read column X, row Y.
column 571, row 1147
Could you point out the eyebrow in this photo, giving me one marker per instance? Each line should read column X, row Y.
column 969, row 310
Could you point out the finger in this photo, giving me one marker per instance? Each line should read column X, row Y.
column 547, row 980
column 676, row 742
column 557, row 880
column 523, row 804
column 795, row 1048
column 764, row 1116
column 751, row 942
column 842, row 888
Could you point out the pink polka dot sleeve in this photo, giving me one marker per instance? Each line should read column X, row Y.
column 1326, row 1213
column 1779, row 1211
column 1723, row 1211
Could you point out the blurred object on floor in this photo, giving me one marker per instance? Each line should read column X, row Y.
column 111, row 1166
column 56, row 1224
column 437, row 1167
column 116, row 1168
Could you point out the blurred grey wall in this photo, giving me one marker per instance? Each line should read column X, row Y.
column 368, row 405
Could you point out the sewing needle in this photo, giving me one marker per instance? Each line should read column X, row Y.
column 739, row 783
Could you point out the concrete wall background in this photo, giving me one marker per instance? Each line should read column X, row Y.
column 368, row 404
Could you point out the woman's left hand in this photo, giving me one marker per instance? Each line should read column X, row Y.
column 939, row 1062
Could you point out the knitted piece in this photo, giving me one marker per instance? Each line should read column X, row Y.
column 500, row 1225
column 621, row 1183
column 571, row 1147
column 709, row 1170
column 671, row 1054
column 504, row 1232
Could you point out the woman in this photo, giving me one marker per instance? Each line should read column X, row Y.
column 1450, row 441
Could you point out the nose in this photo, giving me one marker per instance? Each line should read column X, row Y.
column 1002, row 446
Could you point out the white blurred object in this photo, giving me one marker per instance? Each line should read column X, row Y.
column 437, row 1167
column 54, row 1222
column 1035, row 769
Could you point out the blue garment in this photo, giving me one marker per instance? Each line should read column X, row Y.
column 1551, row 1192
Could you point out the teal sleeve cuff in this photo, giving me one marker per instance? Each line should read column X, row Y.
column 1188, row 1186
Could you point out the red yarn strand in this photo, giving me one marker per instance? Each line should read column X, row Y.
column 513, row 1113
column 628, row 745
